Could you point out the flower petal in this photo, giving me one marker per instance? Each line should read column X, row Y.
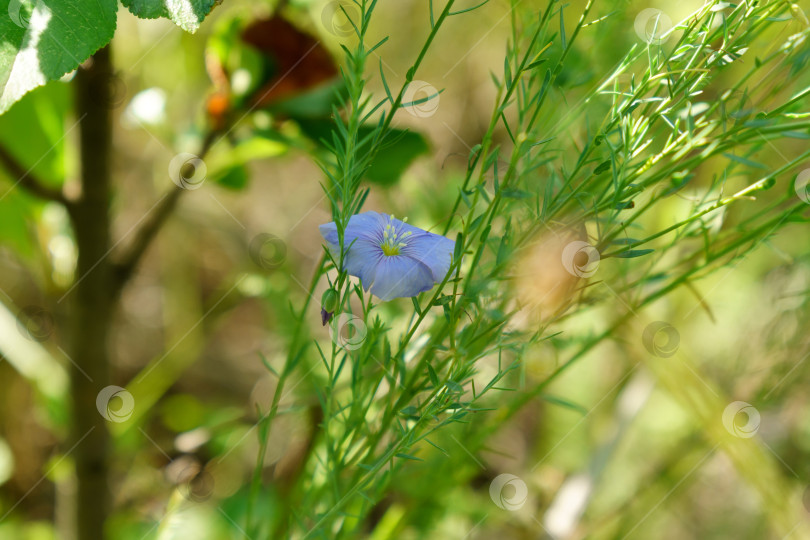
column 401, row 276
column 368, row 225
column 361, row 240
column 432, row 250
column 362, row 260
column 424, row 258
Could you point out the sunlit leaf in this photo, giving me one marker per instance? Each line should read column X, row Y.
column 43, row 41
column 187, row 14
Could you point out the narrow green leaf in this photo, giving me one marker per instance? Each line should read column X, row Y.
column 536, row 63
column 514, row 193
column 385, row 83
column 267, row 365
column 467, row 10
column 603, row 167
column 416, row 305
column 564, row 403
column 410, row 410
column 634, row 253
column 408, row 456
column 745, row 161
column 459, row 248
column 433, row 377
column 439, row 448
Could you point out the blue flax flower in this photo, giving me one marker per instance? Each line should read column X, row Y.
column 390, row 257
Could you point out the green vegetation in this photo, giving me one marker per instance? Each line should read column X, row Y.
column 616, row 351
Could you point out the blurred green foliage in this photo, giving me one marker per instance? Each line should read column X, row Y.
column 677, row 159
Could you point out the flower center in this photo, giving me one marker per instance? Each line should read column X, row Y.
column 393, row 241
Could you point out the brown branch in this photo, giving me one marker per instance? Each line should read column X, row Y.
column 91, row 304
column 126, row 264
column 97, row 287
column 28, row 181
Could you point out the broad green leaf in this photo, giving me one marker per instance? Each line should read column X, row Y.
column 235, row 177
column 187, row 14
column 15, row 215
column 316, row 102
column 393, row 158
column 33, row 132
column 226, row 166
column 257, row 148
column 44, row 39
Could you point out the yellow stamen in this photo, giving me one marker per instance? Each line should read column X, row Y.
column 393, row 242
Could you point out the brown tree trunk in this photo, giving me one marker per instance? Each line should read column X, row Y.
column 92, row 301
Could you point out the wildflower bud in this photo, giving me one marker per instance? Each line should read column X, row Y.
column 329, row 302
column 325, row 317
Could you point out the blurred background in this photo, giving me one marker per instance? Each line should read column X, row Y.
column 627, row 443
